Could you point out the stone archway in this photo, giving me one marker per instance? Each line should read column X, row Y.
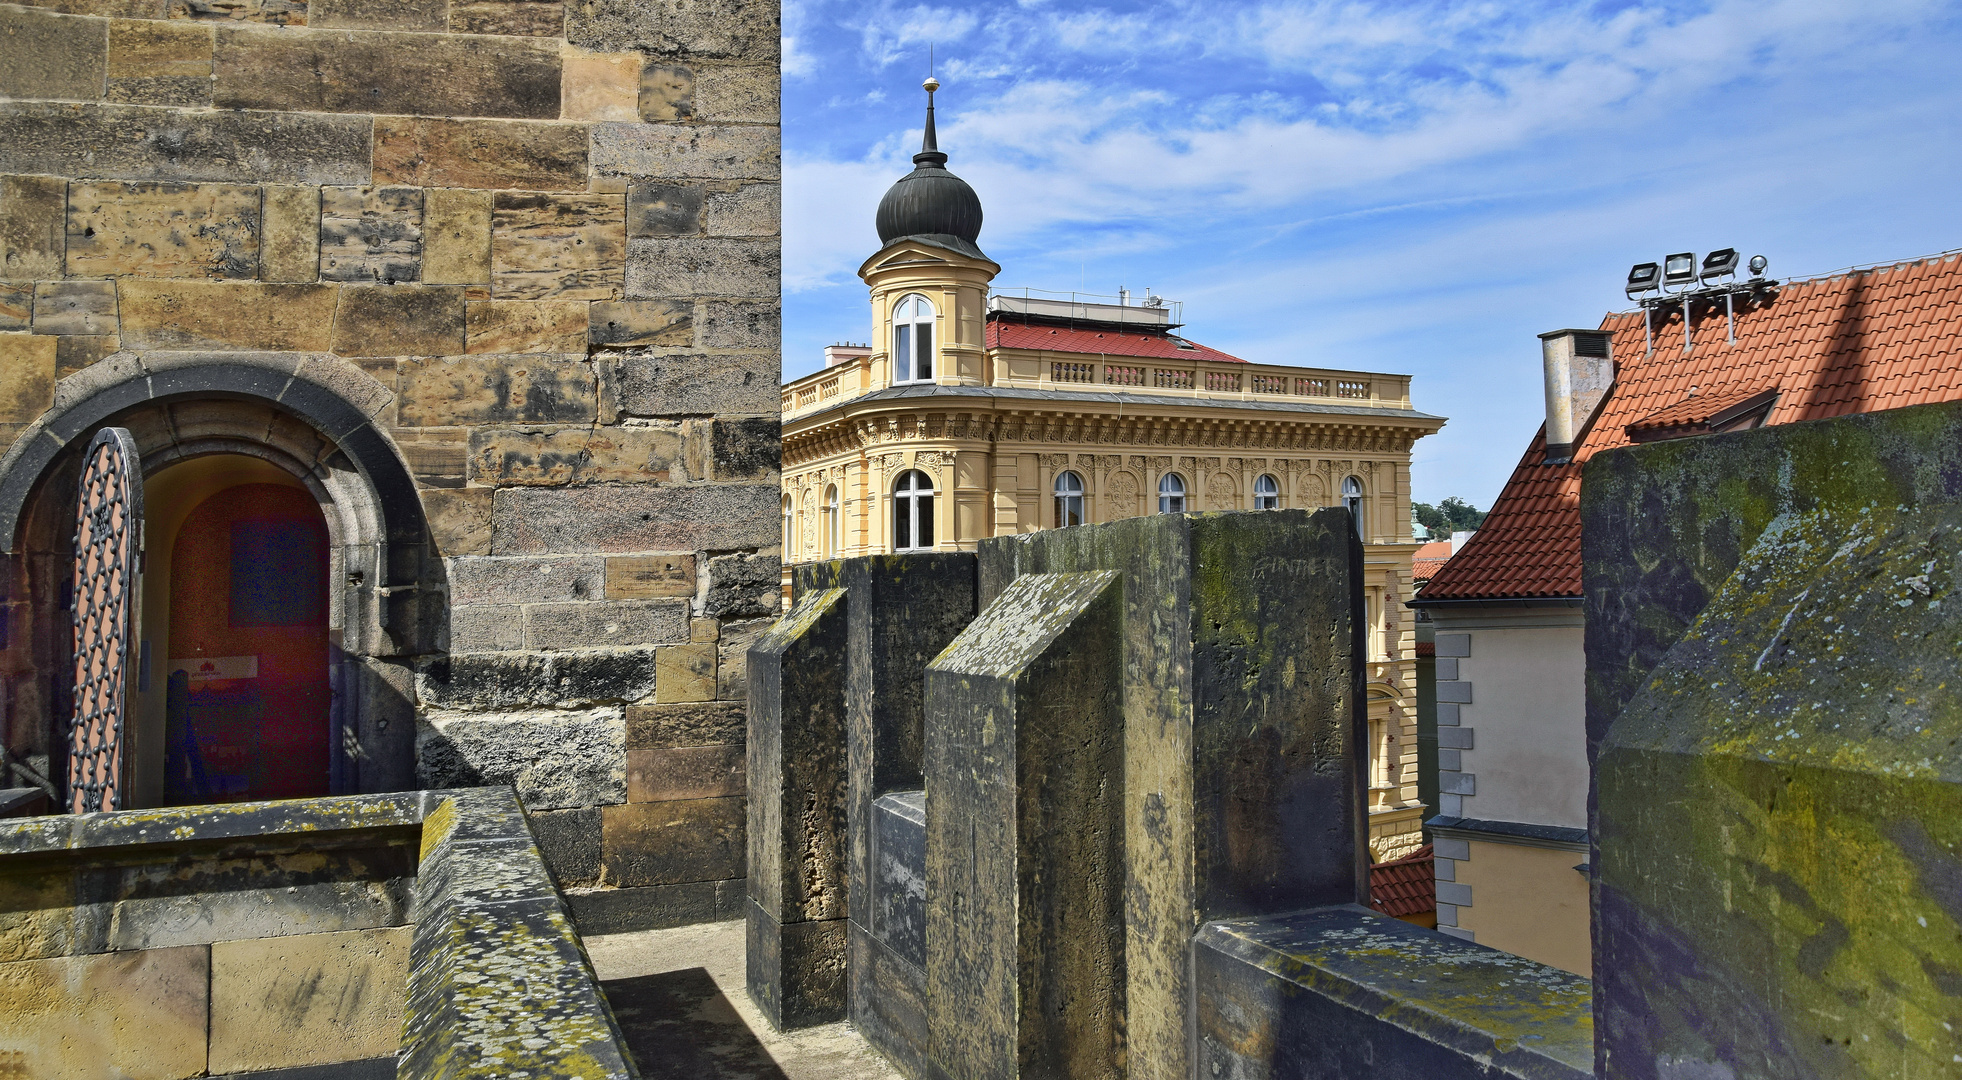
column 308, row 416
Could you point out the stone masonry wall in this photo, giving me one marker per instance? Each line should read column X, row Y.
column 551, row 231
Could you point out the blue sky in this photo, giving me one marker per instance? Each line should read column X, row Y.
column 1412, row 186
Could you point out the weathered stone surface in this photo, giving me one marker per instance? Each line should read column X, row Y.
column 672, row 151
column 486, row 629
column 578, row 455
column 133, row 142
column 516, row 326
column 399, row 320
column 371, row 235
column 307, row 1000
column 745, row 29
column 386, row 73
column 805, row 960
column 744, row 586
column 226, row 315
column 82, row 308
column 525, row 18
column 49, row 56
column 437, row 457
column 666, row 93
column 524, row 581
column 745, row 210
column 659, row 208
column 262, row 12
column 732, row 648
column 703, row 723
column 899, row 869
column 887, row 1000
column 140, row 1015
column 430, row 152
column 159, row 63
column 429, row 16
column 687, row 772
column 600, row 86
column 705, row 630
column 744, row 94
column 666, row 843
column 570, row 842
column 289, row 250
column 688, row 266
column 529, row 521
column 680, row 384
column 656, row 907
column 750, row 448
column 639, row 577
column 16, row 305
column 536, row 388
column 27, row 377
column 456, row 230
column 72, row 354
column 641, row 322
column 568, row 246
column 554, row 759
column 550, row 627
column 741, row 324
column 459, row 521
column 33, row 214
column 684, row 673
column 564, row 679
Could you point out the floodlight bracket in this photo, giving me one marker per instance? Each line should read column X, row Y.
column 1756, row 290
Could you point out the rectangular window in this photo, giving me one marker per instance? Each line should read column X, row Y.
column 902, row 353
column 902, row 525
column 923, row 359
column 925, row 504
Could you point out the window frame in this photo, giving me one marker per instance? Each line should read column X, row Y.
column 834, row 533
column 1269, row 499
column 1065, row 496
column 1172, row 493
column 789, row 527
column 905, row 368
column 907, row 500
column 1355, row 500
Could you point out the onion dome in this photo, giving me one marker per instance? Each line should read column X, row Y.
column 930, row 201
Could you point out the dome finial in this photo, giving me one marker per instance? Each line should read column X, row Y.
column 930, row 154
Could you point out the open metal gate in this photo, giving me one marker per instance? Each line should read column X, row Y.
column 108, row 545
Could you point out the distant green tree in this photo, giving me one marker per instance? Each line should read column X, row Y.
column 1451, row 515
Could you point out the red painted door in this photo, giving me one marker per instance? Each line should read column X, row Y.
column 248, row 691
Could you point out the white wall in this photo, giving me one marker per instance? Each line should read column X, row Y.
column 1526, row 721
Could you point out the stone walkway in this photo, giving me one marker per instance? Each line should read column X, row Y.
column 679, row 996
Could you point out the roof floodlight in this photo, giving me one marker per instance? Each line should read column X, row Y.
column 1758, row 263
column 1719, row 264
column 1643, row 278
column 1679, row 269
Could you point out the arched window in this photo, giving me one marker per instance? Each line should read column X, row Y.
column 1171, row 494
column 1267, row 493
column 834, row 523
column 1069, row 499
column 912, row 512
column 1352, row 500
column 789, row 530
column 912, row 339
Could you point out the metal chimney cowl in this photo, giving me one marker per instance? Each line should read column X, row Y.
column 1579, row 371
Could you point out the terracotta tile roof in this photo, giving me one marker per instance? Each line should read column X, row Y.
column 1004, row 334
column 1404, row 886
column 1427, row 560
column 1860, row 341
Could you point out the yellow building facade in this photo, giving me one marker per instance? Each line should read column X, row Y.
column 971, row 414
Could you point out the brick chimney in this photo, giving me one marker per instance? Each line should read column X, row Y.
column 1579, row 372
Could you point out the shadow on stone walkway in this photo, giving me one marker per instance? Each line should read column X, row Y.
column 679, row 1025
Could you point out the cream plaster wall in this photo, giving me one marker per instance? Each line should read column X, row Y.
column 1529, row 901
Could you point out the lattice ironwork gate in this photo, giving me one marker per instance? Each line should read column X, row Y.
column 108, row 545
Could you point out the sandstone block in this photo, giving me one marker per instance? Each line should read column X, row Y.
column 750, row 448
column 642, row 322
column 456, row 231
column 16, row 305
column 506, row 680
column 579, row 455
column 731, row 29
column 670, row 151
column 437, row 457
column 554, row 758
column 606, row 623
column 226, row 315
column 459, row 520
column 431, row 152
column 525, row 581
column 600, row 86
column 27, row 377
column 261, row 12
column 684, row 673
column 737, row 94
column 744, row 210
column 572, row 247
column 399, row 320
column 486, row 629
column 691, row 266
column 667, row 93
column 310, row 999
column 701, row 723
column 744, row 586
column 75, row 307
column 570, row 842
column 72, row 354
column 658, row 208
column 385, row 72
column 688, row 772
column 428, row 16
column 524, row 18
column 33, row 216
column 741, row 324
column 159, row 63
column 641, row 577
column 516, row 326
column 534, row 388
column 670, row 384
column 704, row 631
column 136, row 1014
column 167, row 230
column 666, row 843
column 732, row 676
column 289, row 250
column 371, row 235
column 45, row 55
column 134, row 142
column 640, row 518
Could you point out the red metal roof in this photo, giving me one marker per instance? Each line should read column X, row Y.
column 1405, row 886
column 1862, row 341
column 1063, row 339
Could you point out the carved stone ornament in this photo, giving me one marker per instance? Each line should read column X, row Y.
column 1221, row 491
